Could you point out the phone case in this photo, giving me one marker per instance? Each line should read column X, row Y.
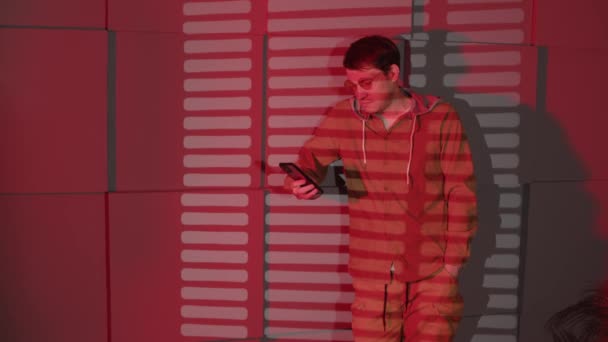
column 293, row 171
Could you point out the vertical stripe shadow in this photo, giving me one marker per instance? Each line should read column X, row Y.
column 263, row 184
column 541, row 108
column 111, row 115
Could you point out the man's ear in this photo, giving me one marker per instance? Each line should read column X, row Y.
column 394, row 72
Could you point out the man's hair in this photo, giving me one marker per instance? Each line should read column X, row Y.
column 372, row 51
column 584, row 321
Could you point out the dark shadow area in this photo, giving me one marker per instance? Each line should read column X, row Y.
column 471, row 281
column 564, row 256
column 560, row 256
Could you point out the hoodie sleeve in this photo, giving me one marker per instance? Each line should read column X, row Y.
column 321, row 149
column 459, row 188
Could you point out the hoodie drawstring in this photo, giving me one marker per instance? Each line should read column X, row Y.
column 409, row 162
column 410, row 157
column 363, row 141
column 412, row 134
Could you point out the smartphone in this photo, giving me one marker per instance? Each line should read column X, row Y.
column 293, row 171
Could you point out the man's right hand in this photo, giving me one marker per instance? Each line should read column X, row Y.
column 301, row 190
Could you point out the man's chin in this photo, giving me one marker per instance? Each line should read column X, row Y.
column 367, row 110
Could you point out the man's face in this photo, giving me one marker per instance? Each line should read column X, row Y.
column 373, row 89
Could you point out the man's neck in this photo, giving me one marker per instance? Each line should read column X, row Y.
column 400, row 105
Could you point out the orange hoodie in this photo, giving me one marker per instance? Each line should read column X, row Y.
column 411, row 189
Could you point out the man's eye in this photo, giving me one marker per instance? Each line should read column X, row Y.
column 365, row 83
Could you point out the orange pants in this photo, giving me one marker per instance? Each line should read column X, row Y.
column 427, row 310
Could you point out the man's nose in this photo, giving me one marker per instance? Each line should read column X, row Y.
column 360, row 94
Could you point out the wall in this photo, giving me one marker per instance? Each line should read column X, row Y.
column 140, row 145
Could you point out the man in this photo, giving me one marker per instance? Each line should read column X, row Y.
column 411, row 196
